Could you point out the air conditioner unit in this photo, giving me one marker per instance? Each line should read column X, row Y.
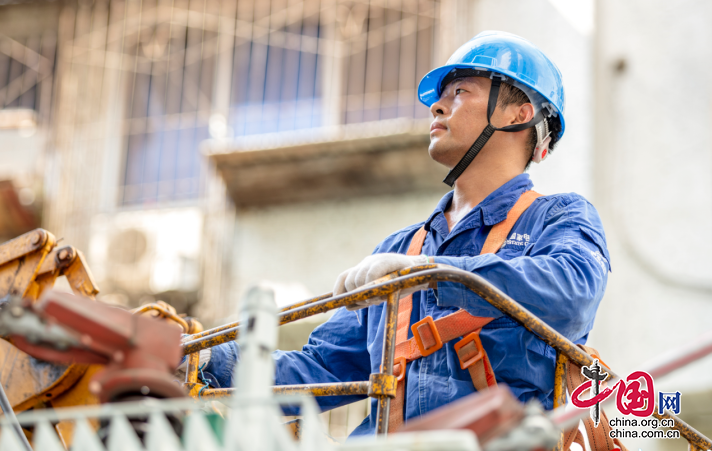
column 144, row 253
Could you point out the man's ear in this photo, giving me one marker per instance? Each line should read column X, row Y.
column 523, row 113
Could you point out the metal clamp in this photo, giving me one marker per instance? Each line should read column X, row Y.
column 380, row 384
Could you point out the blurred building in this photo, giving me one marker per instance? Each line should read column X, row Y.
column 192, row 148
column 28, row 44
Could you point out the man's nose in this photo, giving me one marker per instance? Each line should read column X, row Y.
column 439, row 108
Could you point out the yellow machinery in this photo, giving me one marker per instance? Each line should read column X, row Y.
column 29, row 265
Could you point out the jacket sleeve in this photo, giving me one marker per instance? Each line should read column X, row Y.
column 560, row 277
column 336, row 352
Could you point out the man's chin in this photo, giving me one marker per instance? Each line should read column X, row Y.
column 441, row 154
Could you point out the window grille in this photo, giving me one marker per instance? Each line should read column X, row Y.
column 277, row 75
column 375, row 52
column 26, row 68
column 168, row 109
column 389, row 48
column 295, row 65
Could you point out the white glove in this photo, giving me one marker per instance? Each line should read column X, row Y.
column 374, row 267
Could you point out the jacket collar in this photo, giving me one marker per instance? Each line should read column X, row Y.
column 494, row 207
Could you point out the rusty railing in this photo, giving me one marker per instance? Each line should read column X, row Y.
column 382, row 385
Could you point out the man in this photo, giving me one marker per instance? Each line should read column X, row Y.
column 503, row 94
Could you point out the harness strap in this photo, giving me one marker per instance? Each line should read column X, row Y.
column 405, row 308
column 405, row 305
column 500, row 231
column 447, row 328
column 429, row 335
column 598, row 437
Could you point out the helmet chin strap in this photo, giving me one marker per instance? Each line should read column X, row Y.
column 488, row 131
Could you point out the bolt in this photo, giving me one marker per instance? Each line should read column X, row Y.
column 36, row 238
column 63, row 254
column 145, row 390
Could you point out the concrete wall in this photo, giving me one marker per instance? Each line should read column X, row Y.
column 653, row 186
column 20, row 153
column 568, row 43
column 306, row 246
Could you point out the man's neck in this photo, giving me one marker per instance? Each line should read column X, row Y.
column 474, row 185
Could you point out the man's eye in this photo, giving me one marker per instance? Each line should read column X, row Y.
column 458, row 90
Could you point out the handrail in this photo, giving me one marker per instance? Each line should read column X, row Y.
column 228, row 332
column 162, row 312
column 331, row 389
column 425, row 275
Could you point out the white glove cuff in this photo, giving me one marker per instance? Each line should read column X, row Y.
column 204, row 359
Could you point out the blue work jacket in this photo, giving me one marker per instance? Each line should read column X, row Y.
column 555, row 263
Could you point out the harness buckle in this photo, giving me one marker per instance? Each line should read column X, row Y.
column 399, row 363
column 426, row 334
column 474, row 346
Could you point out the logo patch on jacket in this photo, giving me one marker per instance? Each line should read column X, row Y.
column 517, row 239
column 600, row 259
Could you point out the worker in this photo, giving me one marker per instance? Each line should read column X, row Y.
column 503, row 94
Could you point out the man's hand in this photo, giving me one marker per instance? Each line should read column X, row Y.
column 374, row 267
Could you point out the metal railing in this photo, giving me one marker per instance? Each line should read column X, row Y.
column 382, row 385
column 186, row 425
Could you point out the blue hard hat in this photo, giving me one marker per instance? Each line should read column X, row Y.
column 526, row 67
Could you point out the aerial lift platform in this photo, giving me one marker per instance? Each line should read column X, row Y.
column 94, row 377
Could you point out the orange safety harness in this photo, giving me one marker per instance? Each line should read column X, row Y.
column 429, row 335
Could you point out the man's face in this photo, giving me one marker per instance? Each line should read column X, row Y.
column 459, row 117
